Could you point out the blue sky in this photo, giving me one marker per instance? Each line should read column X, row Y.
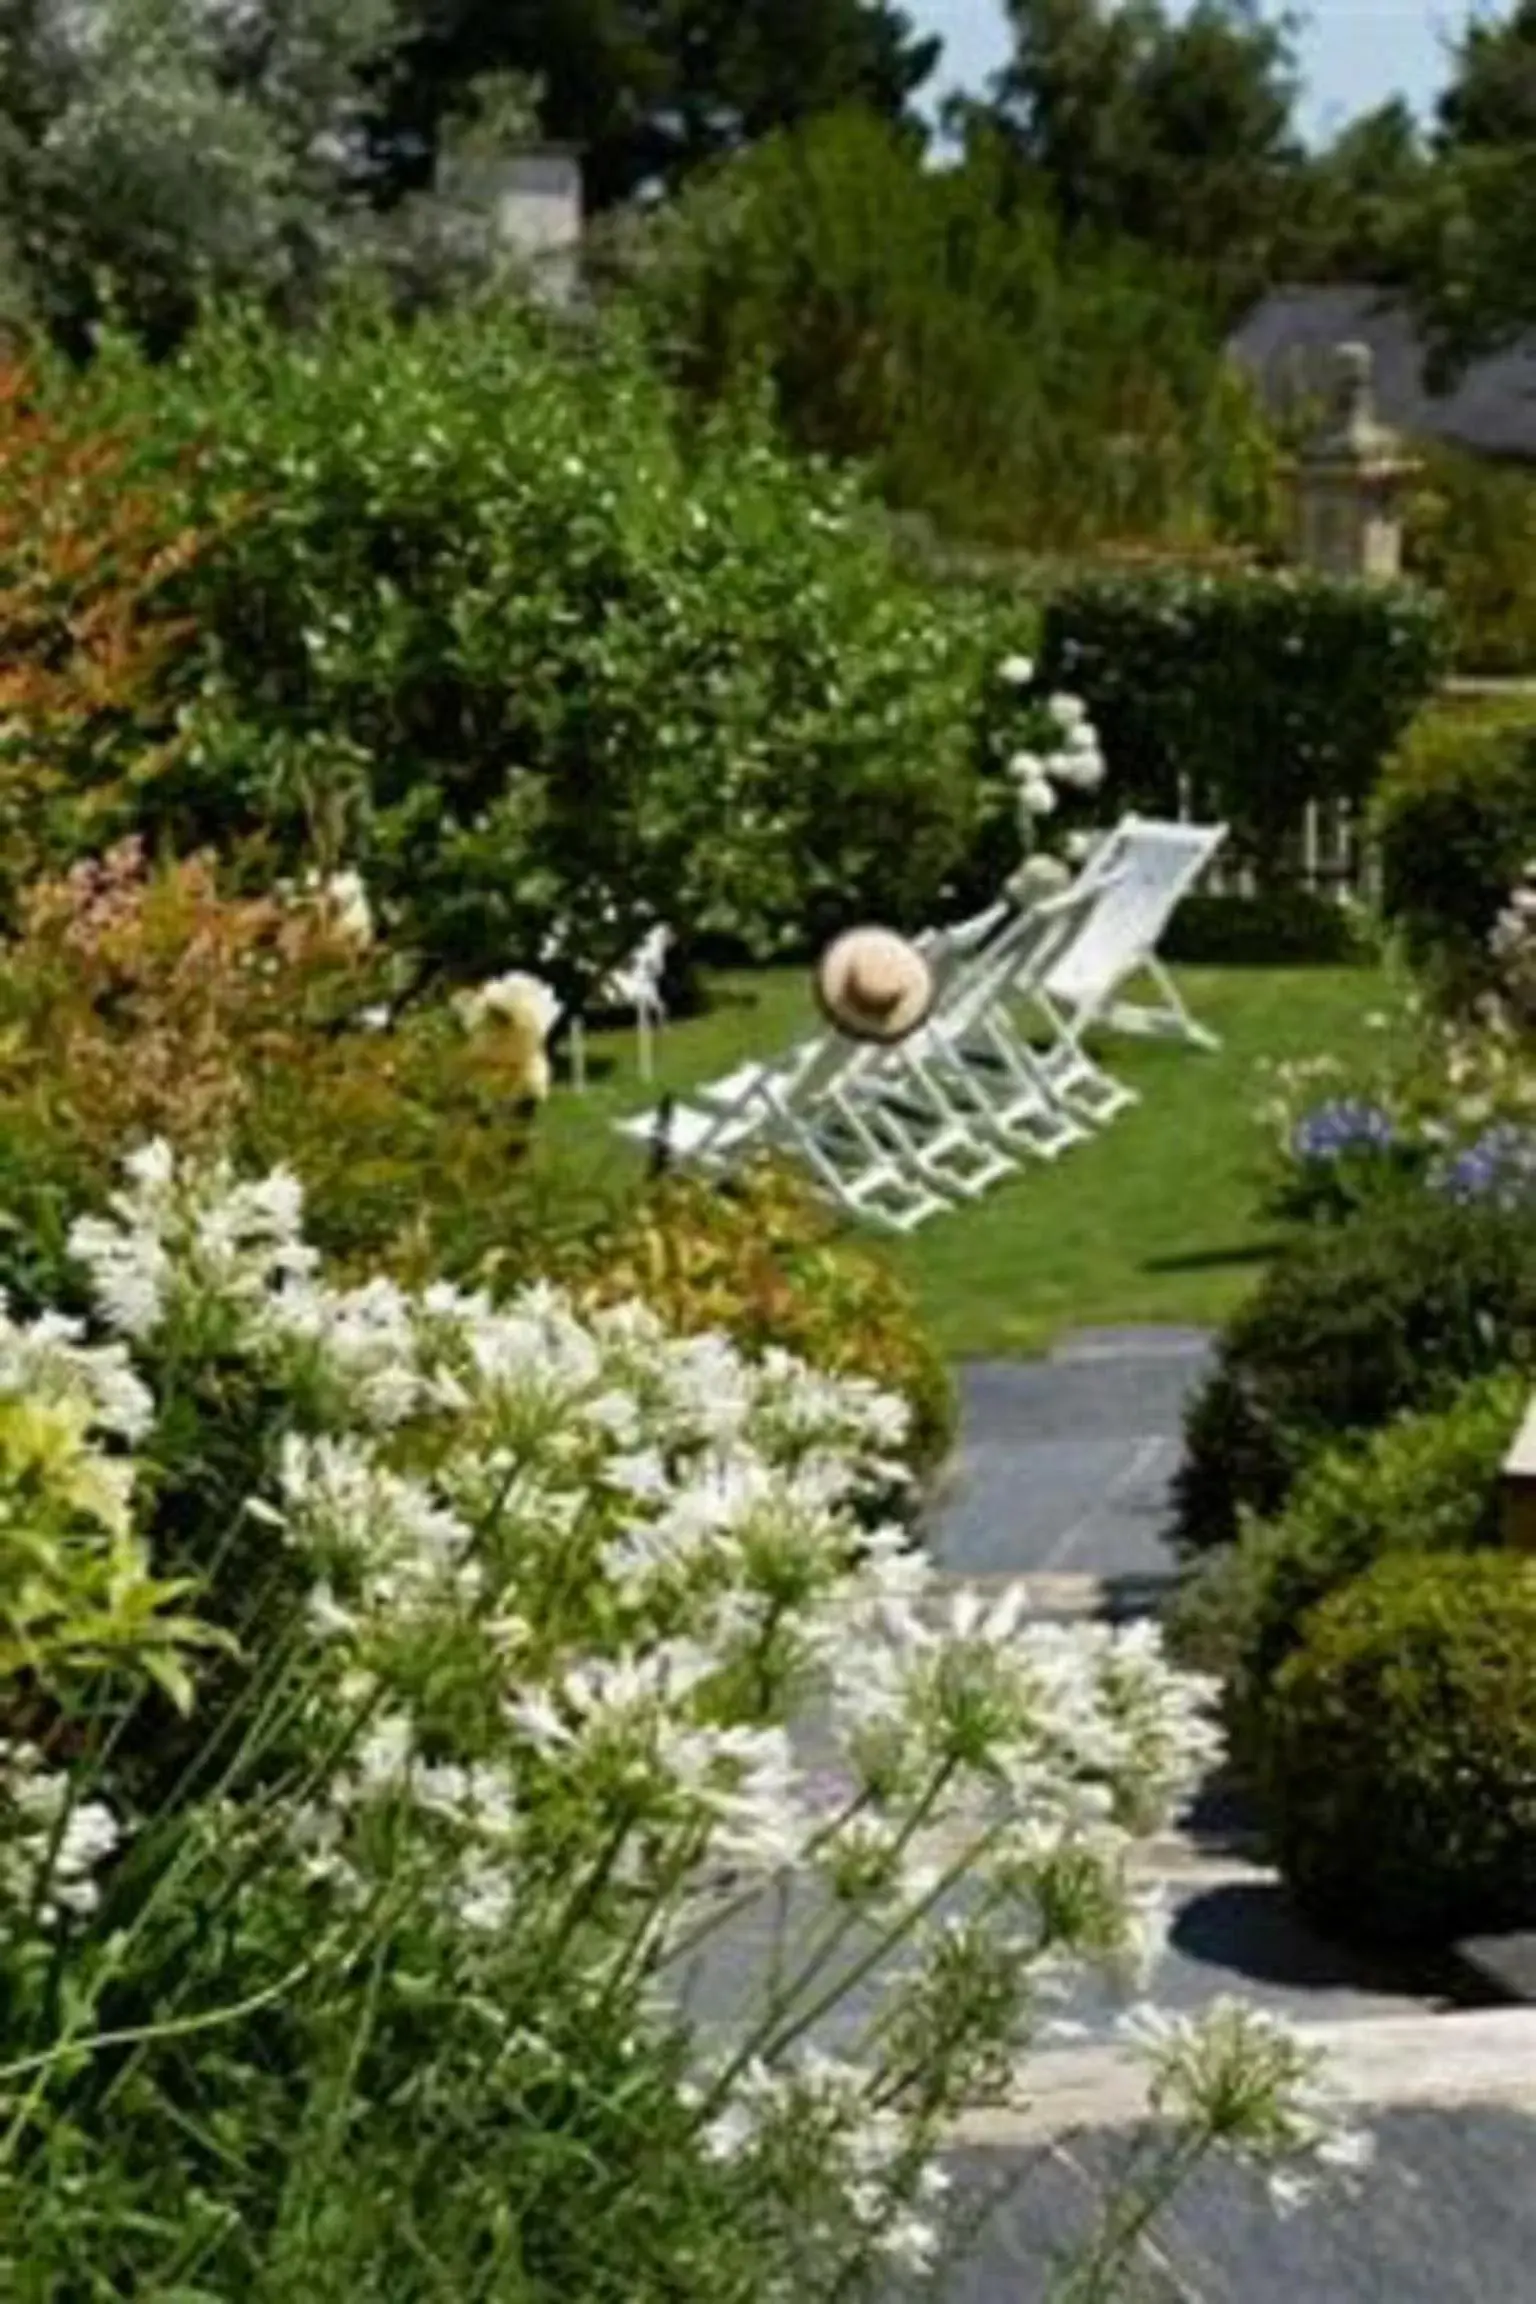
column 1358, row 52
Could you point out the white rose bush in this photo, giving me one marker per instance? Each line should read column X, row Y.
column 443, row 1710
column 1042, row 762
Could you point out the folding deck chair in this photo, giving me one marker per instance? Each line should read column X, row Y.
column 1143, row 870
column 1047, row 1097
column 636, row 986
column 805, row 1106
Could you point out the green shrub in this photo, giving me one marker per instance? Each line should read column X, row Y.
column 1400, row 1753
column 477, row 621
column 1247, row 695
column 1355, row 1324
column 1456, row 820
column 1427, row 1483
column 1285, row 928
column 1471, row 536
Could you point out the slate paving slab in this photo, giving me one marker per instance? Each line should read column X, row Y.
column 1447, row 2216
column 1239, row 1937
column 1067, row 1463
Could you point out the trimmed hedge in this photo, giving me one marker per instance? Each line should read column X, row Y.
column 1400, row 1753
column 1287, row 928
column 1259, row 691
column 1357, row 1323
column 1456, row 820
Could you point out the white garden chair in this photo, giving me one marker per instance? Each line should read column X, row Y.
column 1142, row 872
column 956, row 1138
column 808, row 1106
column 635, row 986
column 1041, row 1098
column 956, row 1104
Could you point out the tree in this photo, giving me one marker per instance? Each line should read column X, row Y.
column 652, row 89
column 1491, row 99
column 152, row 150
column 1475, row 279
column 1360, row 202
column 940, row 326
column 1174, row 130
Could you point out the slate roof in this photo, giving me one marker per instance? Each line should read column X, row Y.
column 1285, row 343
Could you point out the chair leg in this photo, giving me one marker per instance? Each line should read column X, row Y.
column 1030, row 1114
column 929, row 1134
column 1169, row 1019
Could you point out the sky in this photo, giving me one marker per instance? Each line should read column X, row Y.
column 1357, row 52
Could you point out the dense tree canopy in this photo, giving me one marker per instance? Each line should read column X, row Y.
column 1476, row 275
column 154, row 150
column 1176, row 129
column 650, row 89
column 1013, row 379
column 1361, row 201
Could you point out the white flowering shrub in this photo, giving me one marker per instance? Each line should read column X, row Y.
column 1040, row 759
column 532, row 1608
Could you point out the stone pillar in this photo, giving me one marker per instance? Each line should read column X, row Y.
column 528, row 205
column 1349, row 482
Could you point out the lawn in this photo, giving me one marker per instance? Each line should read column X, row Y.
column 1158, row 1219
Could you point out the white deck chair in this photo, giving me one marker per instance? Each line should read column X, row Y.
column 907, row 1098
column 636, row 986
column 805, row 1107
column 960, row 1102
column 1042, row 1099
column 1143, row 871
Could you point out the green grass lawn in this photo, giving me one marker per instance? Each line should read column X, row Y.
column 1157, row 1219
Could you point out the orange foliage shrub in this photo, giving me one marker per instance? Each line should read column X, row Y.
column 138, row 1004
column 90, row 642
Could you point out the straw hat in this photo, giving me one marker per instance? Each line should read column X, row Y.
column 874, row 985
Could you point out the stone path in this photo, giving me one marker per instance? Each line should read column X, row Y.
column 1062, row 1476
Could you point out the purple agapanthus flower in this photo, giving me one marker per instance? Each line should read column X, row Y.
column 1346, row 1125
column 1500, row 1167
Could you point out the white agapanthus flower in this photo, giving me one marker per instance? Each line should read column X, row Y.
column 1037, row 797
column 1245, row 2078
column 47, row 1359
column 819, row 2107
column 361, row 1342
column 179, row 1234
column 51, row 1845
column 1016, row 671
column 643, row 1553
column 1068, row 712
column 349, row 1512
